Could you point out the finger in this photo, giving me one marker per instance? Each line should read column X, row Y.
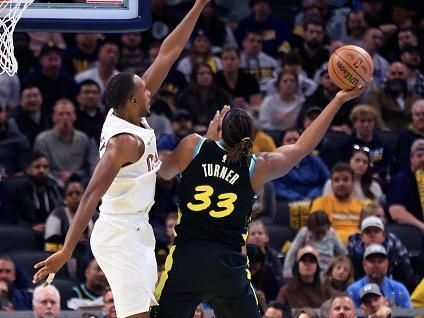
column 43, row 263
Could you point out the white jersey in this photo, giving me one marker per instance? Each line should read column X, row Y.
column 133, row 189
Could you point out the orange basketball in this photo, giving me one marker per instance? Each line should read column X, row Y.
column 350, row 66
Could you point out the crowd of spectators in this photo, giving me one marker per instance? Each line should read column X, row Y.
column 265, row 56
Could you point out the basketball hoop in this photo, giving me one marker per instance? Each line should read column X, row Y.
column 10, row 13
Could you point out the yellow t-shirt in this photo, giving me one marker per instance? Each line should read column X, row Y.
column 263, row 143
column 344, row 216
column 417, row 297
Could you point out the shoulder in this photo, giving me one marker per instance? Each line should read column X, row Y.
column 47, row 134
column 80, row 135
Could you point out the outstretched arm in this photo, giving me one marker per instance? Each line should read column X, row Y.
column 171, row 48
column 276, row 164
column 120, row 150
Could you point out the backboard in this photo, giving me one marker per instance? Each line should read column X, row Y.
column 86, row 16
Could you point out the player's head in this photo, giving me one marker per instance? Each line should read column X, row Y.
column 237, row 133
column 128, row 90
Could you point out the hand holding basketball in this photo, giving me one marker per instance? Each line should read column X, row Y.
column 350, row 66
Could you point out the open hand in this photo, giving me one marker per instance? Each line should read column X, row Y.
column 215, row 124
column 50, row 265
column 347, row 95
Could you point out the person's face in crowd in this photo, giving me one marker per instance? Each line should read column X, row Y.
column 252, row 44
column 198, row 313
column 64, row 115
column 364, row 125
column 109, row 305
column 7, row 272
column 381, row 215
column 375, row 266
column 290, row 137
column 359, row 162
column 204, row 76
column 397, row 71
column 373, row 40
column 257, row 235
column 182, row 127
column 87, row 41
column 109, row 55
column 371, row 303
column 309, row 118
column 51, row 64
column 418, row 115
column 208, row 11
column 273, row 313
column 372, row 8
column 406, row 38
column 131, row 40
column 335, row 45
column 260, row 10
column 89, row 97
column 357, row 24
column 230, row 61
column 39, row 170
column 372, row 235
column 73, row 195
column 94, row 276
column 47, row 305
column 314, row 36
column 412, row 60
column 342, row 184
column 341, row 271
column 31, row 99
column 201, row 44
column 328, row 84
column 287, row 86
column 307, row 266
column 170, row 226
column 342, row 307
column 417, row 160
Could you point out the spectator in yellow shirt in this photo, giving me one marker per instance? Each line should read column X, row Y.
column 417, row 297
column 342, row 209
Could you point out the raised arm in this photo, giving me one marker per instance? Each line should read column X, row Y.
column 171, row 48
column 275, row 164
column 120, row 150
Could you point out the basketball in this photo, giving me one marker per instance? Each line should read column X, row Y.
column 350, row 66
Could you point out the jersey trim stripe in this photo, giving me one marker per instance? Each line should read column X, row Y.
column 252, row 165
column 220, row 144
column 198, row 146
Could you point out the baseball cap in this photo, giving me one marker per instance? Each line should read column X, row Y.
column 417, row 145
column 198, row 32
column 375, row 249
column 306, row 250
column 370, row 289
column 372, row 221
column 313, row 110
column 48, row 48
column 181, row 114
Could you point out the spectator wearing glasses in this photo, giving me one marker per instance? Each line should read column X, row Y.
column 364, row 187
column 366, row 121
column 406, row 205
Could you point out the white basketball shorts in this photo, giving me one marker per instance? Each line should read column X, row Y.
column 124, row 247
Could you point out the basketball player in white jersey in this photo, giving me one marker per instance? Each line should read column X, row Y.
column 122, row 240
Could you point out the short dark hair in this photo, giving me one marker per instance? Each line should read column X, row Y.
column 37, row 155
column 86, row 83
column 119, row 90
column 342, row 167
column 313, row 21
column 317, row 219
column 237, row 132
column 292, row 58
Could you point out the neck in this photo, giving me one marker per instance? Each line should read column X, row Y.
column 309, row 50
column 357, row 177
column 105, row 71
column 96, row 288
column 65, row 133
column 287, row 97
column 252, row 55
column 366, row 138
column 377, row 281
column 343, row 199
column 307, row 279
column 127, row 117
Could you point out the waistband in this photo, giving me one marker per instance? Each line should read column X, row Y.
column 126, row 217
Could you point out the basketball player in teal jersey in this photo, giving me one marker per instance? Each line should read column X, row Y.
column 220, row 179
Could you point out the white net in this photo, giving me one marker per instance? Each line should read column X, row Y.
column 10, row 13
